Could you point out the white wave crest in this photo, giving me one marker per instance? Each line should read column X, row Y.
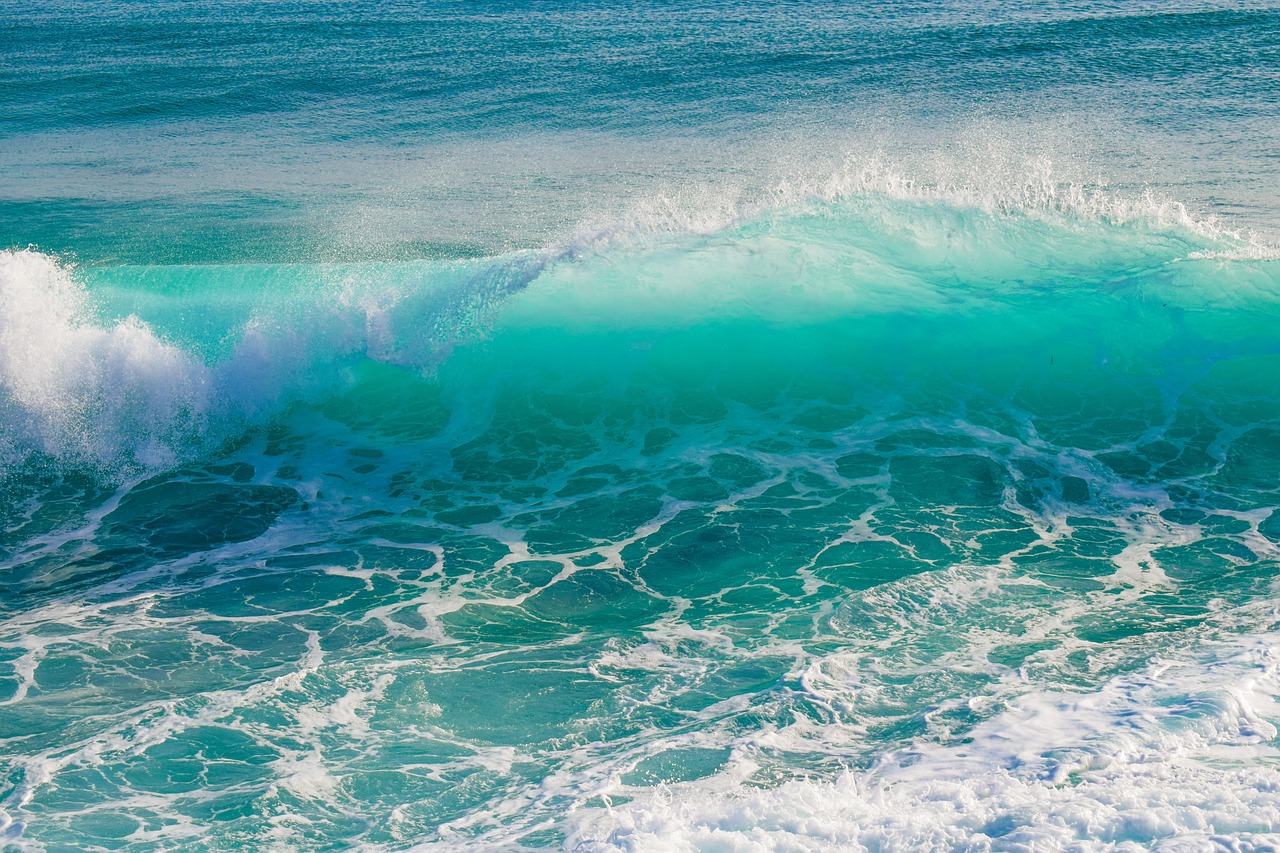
column 75, row 389
column 984, row 182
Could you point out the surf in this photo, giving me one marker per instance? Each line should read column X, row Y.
column 811, row 501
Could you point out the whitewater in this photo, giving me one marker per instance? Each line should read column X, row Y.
column 693, row 427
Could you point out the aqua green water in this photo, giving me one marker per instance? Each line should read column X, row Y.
column 809, row 493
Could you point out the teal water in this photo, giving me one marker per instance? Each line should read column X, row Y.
column 684, row 427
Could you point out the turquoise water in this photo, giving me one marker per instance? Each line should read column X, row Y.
column 692, row 426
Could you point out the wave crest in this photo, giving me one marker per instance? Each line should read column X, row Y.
column 82, row 391
column 116, row 394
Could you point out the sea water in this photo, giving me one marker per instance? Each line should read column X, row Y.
column 664, row 426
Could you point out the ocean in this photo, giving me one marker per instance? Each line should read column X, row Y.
column 694, row 425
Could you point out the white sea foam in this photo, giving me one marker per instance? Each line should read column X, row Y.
column 1176, row 756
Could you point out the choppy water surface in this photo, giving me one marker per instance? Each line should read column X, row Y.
column 696, row 427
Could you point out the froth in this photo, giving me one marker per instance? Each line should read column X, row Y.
column 1167, row 755
column 84, row 391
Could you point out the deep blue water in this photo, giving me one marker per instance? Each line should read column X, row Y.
column 671, row 426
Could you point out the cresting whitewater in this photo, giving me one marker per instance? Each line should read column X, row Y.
column 695, row 426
